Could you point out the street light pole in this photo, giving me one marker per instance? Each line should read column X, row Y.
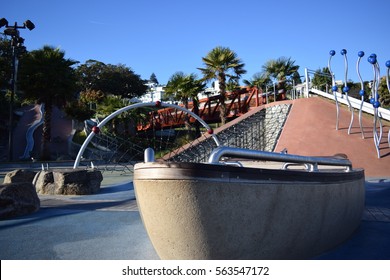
column 17, row 45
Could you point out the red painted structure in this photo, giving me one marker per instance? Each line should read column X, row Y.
column 237, row 103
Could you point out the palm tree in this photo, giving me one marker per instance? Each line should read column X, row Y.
column 280, row 69
column 259, row 80
column 184, row 87
column 222, row 63
column 47, row 77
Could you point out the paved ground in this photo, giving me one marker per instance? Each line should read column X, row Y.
column 103, row 226
column 310, row 130
column 108, row 225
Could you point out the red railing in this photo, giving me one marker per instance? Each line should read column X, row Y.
column 237, row 103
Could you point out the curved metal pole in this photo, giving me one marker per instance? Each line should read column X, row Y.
column 375, row 102
column 388, row 87
column 138, row 105
column 334, row 89
column 361, row 92
column 346, row 88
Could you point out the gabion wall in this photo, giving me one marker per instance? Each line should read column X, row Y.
column 259, row 131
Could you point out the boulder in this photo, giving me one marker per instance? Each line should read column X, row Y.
column 44, row 182
column 68, row 182
column 19, row 176
column 18, row 199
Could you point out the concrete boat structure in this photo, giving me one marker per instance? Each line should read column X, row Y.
column 226, row 210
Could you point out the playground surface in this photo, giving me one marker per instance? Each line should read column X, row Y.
column 108, row 226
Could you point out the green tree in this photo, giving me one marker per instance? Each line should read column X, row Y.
column 322, row 79
column 260, row 80
column 222, row 63
column 153, row 79
column 110, row 79
column 46, row 76
column 384, row 93
column 5, row 63
column 184, row 87
column 281, row 69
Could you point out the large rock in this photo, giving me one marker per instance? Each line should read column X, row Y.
column 19, row 176
column 68, row 182
column 44, row 182
column 18, row 199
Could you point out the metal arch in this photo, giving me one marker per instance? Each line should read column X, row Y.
column 138, row 105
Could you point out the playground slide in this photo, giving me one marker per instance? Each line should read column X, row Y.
column 30, row 133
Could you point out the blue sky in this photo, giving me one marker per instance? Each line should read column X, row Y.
column 163, row 37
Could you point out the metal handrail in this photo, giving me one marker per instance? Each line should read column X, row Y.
column 223, row 151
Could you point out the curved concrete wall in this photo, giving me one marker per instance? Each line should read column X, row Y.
column 239, row 219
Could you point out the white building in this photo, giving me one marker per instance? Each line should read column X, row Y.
column 154, row 93
column 157, row 93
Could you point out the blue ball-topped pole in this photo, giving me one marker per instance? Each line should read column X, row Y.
column 372, row 59
column 361, row 54
column 388, row 64
column 376, row 104
column 372, row 100
column 343, row 51
column 345, row 89
column 335, row 88
column 332, row 52
column 362, row 92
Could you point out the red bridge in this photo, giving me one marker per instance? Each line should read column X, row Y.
column 237, row 103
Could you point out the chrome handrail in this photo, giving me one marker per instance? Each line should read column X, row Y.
column 223, row 151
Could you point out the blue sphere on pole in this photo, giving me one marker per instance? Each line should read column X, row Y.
column 372, row 59
column 345, row 89
column 362, row 92
column 332, row 52
column 377, row 104
column 388, row 64
column 343, row 51
column 361, row 54
column 335, row 88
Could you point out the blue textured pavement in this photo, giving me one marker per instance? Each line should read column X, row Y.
column 107, row 226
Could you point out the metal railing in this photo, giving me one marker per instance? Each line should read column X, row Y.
column 311, row 162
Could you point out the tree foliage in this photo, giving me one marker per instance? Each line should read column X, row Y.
column 110, row 79
column 260, row 80
column 5, row 63
column 153, row 79
column 222, row 64
column 321, row 80
column 46, row 76
column 384, row 93
column 282, row 69
column 184, row 87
